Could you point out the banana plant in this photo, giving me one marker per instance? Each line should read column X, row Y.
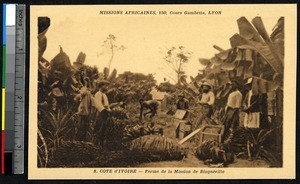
column 255, row 37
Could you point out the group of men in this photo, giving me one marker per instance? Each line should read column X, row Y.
column 92, row 109
column 251, row 105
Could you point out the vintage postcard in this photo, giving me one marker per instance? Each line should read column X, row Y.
column 162, row 91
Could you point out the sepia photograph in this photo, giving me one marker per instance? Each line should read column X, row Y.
column 145, row 88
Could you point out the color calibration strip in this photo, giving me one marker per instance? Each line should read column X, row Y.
column 13, row 89
column 8, row 87
column 3, row 90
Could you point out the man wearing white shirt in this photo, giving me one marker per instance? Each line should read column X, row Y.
column 207, row 99
column 231, row 117
column 101, row 103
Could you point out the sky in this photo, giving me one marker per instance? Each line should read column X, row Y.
column 146, row 38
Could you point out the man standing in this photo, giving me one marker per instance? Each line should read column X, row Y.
column 101, row 103
column 152, row 105
column 253, row 108
column 84, row 111
column 231, row 117
column 207, row 99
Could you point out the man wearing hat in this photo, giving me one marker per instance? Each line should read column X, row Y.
column 231, row 117
column 101, row 103
column 207, row 99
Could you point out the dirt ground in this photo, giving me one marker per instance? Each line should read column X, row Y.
column 168, row 123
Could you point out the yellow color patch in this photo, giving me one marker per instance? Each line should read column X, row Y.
column 3, row 108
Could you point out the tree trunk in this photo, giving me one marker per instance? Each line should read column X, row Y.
column 111, row 58
column 178, row 78
column 279, row 120
column 179, row 73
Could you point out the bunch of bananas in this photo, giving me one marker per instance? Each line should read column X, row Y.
column 204, row 151
column 156, row 148
column 212, row 153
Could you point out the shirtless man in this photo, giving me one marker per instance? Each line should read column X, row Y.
column 152, row 105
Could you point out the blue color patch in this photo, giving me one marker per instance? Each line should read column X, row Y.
column 4, row 25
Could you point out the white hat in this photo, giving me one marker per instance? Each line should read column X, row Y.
column 205, row 84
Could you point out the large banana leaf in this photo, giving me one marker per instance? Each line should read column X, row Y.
column 253, row 37
column 42, row 43
column 204, row 61
column 216, row 61
column 259, row 25
column 81, row 58
column 262, row 48
column 247, row 30
column 263, row 86
column 277, row 36
column 223, row 54
column 228, row 66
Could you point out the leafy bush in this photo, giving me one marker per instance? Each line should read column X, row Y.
column 57, row 127
column 130, row 87
column 255, row 144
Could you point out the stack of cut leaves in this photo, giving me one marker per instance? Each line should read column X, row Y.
column 132, row 132
column 212, row 153
column 136, row 131
column 156, row 148
column 76, row 151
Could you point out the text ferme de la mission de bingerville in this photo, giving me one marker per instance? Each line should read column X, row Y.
column 210, row 12
column 156, row 171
